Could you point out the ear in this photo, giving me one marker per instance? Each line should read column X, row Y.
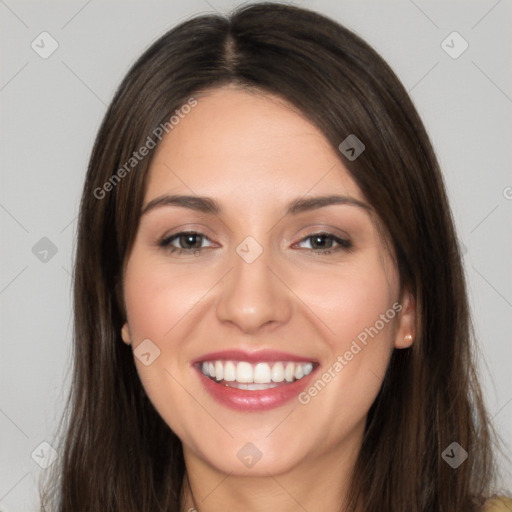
column 406, row 329
column 125, row 334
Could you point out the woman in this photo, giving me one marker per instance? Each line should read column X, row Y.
column 270, row 307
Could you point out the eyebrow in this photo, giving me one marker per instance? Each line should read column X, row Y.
column 208, row 205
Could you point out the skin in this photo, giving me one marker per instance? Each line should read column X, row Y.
column 254, row 154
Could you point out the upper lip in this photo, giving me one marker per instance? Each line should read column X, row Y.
column 252, row 356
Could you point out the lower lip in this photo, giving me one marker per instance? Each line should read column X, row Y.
column 260, row 400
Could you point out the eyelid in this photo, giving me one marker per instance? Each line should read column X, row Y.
column 313, row 229
column 199, row 229
column 166, row 239
column 342, row 243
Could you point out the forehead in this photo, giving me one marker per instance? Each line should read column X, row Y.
column 244, row 146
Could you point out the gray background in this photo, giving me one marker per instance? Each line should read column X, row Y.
column 51, row 109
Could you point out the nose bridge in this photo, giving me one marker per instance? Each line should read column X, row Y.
column 252, row 296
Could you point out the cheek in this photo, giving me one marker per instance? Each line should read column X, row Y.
column 359, row 307
column 157, row 303
column 350, row 300
column 157, row 299
column 357, row 312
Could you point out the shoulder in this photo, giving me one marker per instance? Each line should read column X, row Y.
column 498, row 505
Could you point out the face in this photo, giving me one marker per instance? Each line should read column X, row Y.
column 262, row 319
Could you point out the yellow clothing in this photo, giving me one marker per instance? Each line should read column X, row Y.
column 498, row 505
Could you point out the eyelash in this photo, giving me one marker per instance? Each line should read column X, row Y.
column 343, row 244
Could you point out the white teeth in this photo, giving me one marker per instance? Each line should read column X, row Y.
column 219, row 370
column 288, row 372
column 244, row 372
column 255, row 376
column 229, row 372
column 262, row 373
column 278, row 372
column 252, row 387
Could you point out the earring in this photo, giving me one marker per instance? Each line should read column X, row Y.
column 408, row 338
column 125, row 335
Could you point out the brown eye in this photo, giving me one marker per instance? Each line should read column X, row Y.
column 187, row 242
column 323, row 243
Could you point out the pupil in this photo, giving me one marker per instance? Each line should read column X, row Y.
column 321, row 238
column 189, row 239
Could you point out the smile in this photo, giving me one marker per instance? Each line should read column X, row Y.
column 254, row 380
column 255, row 377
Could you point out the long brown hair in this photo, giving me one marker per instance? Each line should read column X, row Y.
column 117, row 452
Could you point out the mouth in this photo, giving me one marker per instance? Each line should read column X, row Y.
column 254, row 381
column 255, row 377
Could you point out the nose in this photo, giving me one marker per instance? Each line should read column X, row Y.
column 253, row 296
